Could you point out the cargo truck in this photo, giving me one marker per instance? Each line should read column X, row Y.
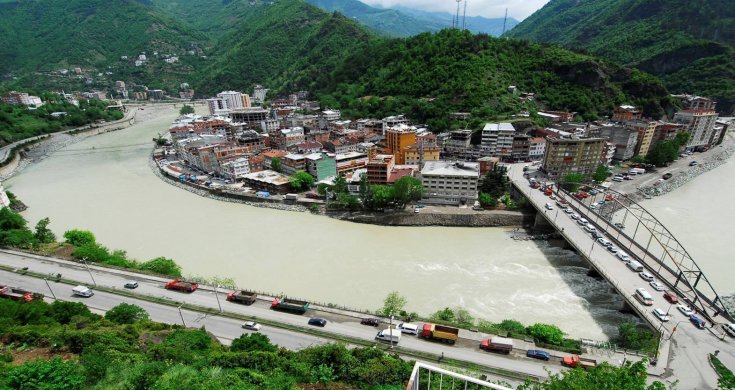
column 17, row 294
column 290, row 305
column 242, row 296
column 577, row 361
column 440, row 332
column 497, row 344
column 182, row 285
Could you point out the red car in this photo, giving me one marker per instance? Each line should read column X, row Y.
column 671, row 297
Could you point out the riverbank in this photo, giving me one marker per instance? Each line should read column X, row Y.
column 450, row 217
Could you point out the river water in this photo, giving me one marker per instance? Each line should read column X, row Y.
column 104, row 184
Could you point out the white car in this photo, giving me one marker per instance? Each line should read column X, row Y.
column 251, row 325
column 582, row 221
column 593, row 206
column 657, row 286
column 568, row 211
column 604, row 242
column 686, row 310
column 612, row 248
column 549, row 206
column 661, row 315
column 646, row 276
column 574, row 216
column 623, row 256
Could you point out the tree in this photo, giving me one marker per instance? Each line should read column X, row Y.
column 126, row 313
column 632, row 376
column 348, row 201
column 486, row 200
column 382, row 196
column 571, row 181
column 550, row 334
column 43, row 234
column 495, row 182
column 276, row 164
column 600, row 173
column 62, row 312
column 162, row 265
column 340, row 185
column 78, row 237
column 186, row 109
column 92, row 251
column 46, row 374
column 301, row 180
column 407, row 189
column 393, row 304
column 252, row 342
column 10, row 220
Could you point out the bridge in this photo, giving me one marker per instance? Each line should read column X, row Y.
column 645, row 239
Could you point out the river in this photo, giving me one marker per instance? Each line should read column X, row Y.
column 104, row 184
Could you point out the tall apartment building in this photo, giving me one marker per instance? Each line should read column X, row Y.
column 250, row 118
column 452, row 183
column 379, row 168
column 573, row 155
column 646, row 131
column 259, row 94
column 700, row 123
column 537, row 148
column 217, row 106
column 624, row 140
column 693, row 102
column 497, row 140
column 394, row 121
column 233, row 99
column 398, row 139
column 327, row 116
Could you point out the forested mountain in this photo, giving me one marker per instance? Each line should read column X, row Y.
column 216, row 18
column 690, row 46
column 44, row 35
column 476, row 24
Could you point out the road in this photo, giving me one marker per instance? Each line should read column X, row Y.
column 226, row 329
column 686, row 353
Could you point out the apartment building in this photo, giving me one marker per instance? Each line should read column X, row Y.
column 700, row 123
column 497, row 140
column 450, row 183
column 537, row 148
column 573, row 155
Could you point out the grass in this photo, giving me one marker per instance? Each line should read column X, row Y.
column 727, row 378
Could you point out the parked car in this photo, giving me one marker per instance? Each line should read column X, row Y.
column 593, row 206
column 251, row 325
column 568, row 210
column 612, row 248
column 671, row 297
column 370, row 321
column 582, row 221
column 646, row 276
column 698, row 322
column 604, row 242
column 693, row 163
column 686, row 310
column 623, row 256
column 408, row 328
column 318, row 322
column 549, row 206
column 538, row 354
column 661, row 315
column 667, row 176
column 619, row 225
column 131, row 284
column 657, row 286
column 574, row 216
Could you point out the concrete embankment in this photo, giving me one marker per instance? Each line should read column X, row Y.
column 478, row 219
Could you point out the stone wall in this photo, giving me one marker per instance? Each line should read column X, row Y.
column 484, row 219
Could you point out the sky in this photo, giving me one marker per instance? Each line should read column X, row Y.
column 519, row 9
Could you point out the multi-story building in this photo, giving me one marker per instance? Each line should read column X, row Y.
column 350, row 162
column 156, row 94
column 693, row 102
column 521, row 148
column 626, row 113
column 13, row 97
column 217, row 106
column 379, row 168
column 267, row 180
column 4, row 200
column 666, row 131
column 417, row 154
column 250, row 118
column 232, row 99
column 537, row 148
column 269, row 155
column 235, row 168
column 487, row 164
column 327, row 116
column 394, row 121
column 645, row 130
column 292, row 163
column 624, row 140
column 321, row 165
column 573, row 155
column 452, row 183
column 497, row 139
column 259, row 94
column 700, row 123
column 458, row 142
column 397, row 141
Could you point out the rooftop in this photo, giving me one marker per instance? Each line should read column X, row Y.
column 503, row 126
column 448, row 168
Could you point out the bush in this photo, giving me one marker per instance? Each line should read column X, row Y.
column 162, row 265
column 62, row 312
column 46, row 374
column 252, row 342
column 78, row 237
column 126, row 313
column 546, row 333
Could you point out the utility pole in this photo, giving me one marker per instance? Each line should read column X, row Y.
column 84, row 259
column 464, row 16
column 216, row 295
column 505, row 20
column 182, row 317
column 49, row 288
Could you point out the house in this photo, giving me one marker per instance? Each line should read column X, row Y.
column 267, row 180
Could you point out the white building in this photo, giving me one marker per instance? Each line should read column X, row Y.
column 327, row 116
column 218, row 106
column 236, row 169
column 700, row 123
column 394, row 121
column 4, row 200
column 537, row 149
column 233, row 99
column 259, row 94
column 452, row 183
column 497, row 139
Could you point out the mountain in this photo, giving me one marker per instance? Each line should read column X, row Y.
column 476, row 24
column 691, row 47
column 40, row 36
column 216, row 18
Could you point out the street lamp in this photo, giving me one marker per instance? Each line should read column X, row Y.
column 182, row 317
column 49, row 288
column 84, row 259
column 216, row 295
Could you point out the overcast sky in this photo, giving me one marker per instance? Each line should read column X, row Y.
column 519, row 9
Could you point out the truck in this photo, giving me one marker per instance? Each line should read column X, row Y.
column 574, row 361
column 242, row 296
column 290, row 305
column 182, row 285
column 637, row 171
column 292, row 196
column 497, row 344
column 18, row 294
column 439, row 332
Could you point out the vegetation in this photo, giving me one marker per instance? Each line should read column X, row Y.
column 126, row 313
column 186, row 109
column 664, row 152
column 603, row 377
column 19, row 122
column 638, row 338
column 276, row 164
column 600, row 173
column 572, row 181
column 691, row 49
column 495, row 184
column 301, row 181
column 726, row 377
column 393, row 304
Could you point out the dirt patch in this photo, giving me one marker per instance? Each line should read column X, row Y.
column 57, row 249
column 39, row 353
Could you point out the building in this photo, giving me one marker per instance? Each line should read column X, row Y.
column 398, row 139
column 251, row 118
column 487, row 164
column 155, row 94
column 259, row 94
column 23, row 98
column 451, row 183
column 521, row 148
column 232, row 99
column 321, row 165
column 269, row 155
column 693, row 102
column 573, row 155
column 537, row 148
column 235, row 169
column 458, row 142
column 292, row 163
column 700, row 123
column 497, row 139
column 217, row 106
column 379, row 168
column 623, row 139
column 394, row 121
column 350, row 162
column 267, row 180
column 327, row 116
column 626, row 113
column 4, row 200
column 557, row 116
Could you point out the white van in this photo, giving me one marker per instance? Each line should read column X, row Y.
column 82, row 291
column 408, row 328
column 588, row 227
column 385, row 335
column 730, row 329
column 635, row 266
column 643, row 296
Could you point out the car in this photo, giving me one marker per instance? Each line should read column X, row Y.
column 597, row 234
column 628, row 177
column 661, row 315
column 574, row 216
column 416, row 210
column 623, row 256
column 698, row 322
column 612, row 248
column 619, row 225
column 617, row 179
column 646, row 276
column 538, row 354
column 693, row 163
column 657, row 286
column 604, row 242
column 671, row 297
column 408, row 328
column 667, row 176
column 317, row 322
column 549, row 206
column 251, row 325
column 593, row 192
column 593, row 206
column 582, row 221
column 602, row 202
column 568, row 211
column 686, row 310
column 552, row 197
column 131, row 284
column 370, row 321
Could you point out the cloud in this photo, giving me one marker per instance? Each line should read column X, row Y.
column 519, row 9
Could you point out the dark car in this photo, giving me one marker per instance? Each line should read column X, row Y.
column 131, row 284
column 671, row 297
column 370, row 321
column 698, row 322
column 667, row 176
column 538, row 354
column 317, row 322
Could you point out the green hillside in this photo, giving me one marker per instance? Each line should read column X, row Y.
column 46, row 35
column 216, row 18
column 690, row 47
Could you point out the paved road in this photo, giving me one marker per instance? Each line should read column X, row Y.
column 686, row 353
column 226, row 329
